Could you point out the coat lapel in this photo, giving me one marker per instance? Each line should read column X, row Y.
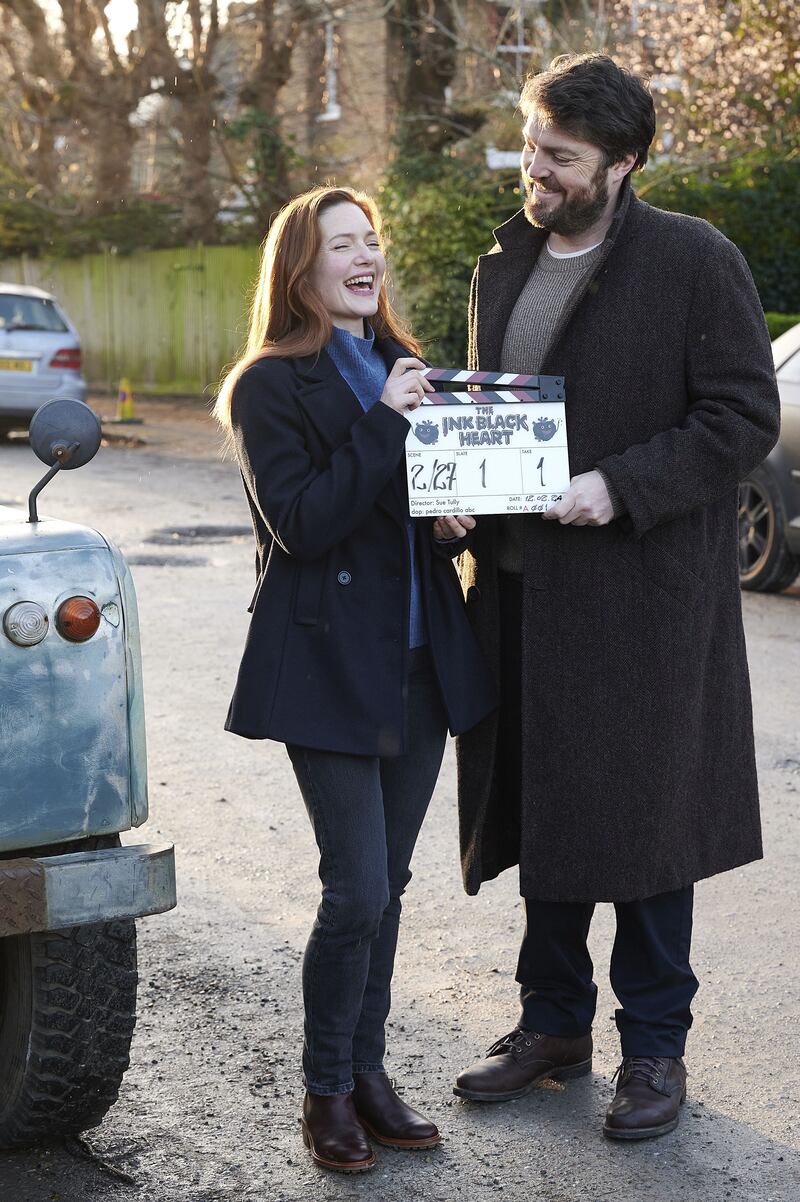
column 326, row 398
column 332, row 407
column 501, row 277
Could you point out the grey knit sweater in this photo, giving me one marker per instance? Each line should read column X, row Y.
column 551, row 286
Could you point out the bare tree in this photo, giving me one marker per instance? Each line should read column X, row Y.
column 101, row 92
column 721, row 71
column 77, row 94
column 427, row 38
column 261, row 164
column 34, row 116
column 183, row 56
column 278, row 34
column 725, row 74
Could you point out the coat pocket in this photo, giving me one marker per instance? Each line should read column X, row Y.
column 664, row 569
column 308, row 592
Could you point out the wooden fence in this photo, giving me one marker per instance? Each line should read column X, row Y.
column 169, row 320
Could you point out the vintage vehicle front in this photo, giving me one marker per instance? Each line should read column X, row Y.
column 73, row 776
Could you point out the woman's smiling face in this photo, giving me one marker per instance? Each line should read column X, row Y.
column 349, row 268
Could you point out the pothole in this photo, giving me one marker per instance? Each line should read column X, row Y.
column 172, row 536
column 166, row 561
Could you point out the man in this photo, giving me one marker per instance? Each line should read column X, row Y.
column 620, row 766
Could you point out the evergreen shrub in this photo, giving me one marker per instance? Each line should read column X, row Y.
column 754, row 202
column 779, row 323
column 438, row 224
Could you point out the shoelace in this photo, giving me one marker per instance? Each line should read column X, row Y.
column 515, row 1041
column 646, row 1068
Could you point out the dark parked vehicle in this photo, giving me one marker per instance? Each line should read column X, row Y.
column 769, row 499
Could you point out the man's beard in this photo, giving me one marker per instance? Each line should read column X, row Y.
column 575, row 214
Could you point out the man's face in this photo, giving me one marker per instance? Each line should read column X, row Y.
column 566, row 181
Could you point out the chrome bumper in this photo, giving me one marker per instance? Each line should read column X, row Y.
column 49, row 893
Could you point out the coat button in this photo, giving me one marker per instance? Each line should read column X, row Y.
column 344, row 577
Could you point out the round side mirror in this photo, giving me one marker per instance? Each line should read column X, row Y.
column 62, row 423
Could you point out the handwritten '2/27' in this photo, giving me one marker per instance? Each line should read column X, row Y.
column 441, row 475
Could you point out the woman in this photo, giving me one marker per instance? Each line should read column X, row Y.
column 359, row 655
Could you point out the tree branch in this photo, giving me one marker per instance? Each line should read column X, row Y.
column 196, row 22
column 99, row 11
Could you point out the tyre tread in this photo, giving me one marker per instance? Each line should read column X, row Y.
column 84, row 1013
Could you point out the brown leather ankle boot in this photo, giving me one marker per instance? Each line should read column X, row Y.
column 516, row 1063
column 333, row 1134
column 387, row 1118
column 650, row 1093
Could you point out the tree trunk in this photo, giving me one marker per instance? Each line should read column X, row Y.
column 278, row 34
column 112, row 149
column 428, row 63
column 198, row 198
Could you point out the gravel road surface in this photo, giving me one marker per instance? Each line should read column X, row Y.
column 208, row 1110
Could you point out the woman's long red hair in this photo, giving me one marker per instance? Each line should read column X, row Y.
column 287, row 317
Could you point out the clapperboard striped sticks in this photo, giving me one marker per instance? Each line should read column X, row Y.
column 517, row 388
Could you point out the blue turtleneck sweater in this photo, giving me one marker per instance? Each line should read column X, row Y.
column 364, row 369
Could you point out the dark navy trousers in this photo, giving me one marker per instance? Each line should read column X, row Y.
column 650, row 971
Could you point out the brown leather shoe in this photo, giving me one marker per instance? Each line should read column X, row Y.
column 333, row 1134
column 387, row 1118
column 650, row 1092
column 515, row 1064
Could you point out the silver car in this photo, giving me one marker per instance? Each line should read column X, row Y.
column 40, row 355
column 769, row 499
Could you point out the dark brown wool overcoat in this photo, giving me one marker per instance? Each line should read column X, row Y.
column 638, row 762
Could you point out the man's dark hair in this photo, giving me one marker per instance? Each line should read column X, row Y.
column 590, row 97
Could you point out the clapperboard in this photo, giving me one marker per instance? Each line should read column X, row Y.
column 498, row 448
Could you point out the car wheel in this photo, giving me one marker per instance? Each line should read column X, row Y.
column 766, row 565
column 67, row 1013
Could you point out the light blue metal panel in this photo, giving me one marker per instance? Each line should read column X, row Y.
column 52, row 892
column 120, row 882
column 136, row 731
column 20, row 537
column 64, row 746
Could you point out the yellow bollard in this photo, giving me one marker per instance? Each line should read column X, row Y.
column 125, row 408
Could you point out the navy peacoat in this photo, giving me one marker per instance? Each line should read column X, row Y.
column 325, row 662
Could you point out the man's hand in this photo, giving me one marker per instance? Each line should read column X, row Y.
column 453, row 527
column 585, row 503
